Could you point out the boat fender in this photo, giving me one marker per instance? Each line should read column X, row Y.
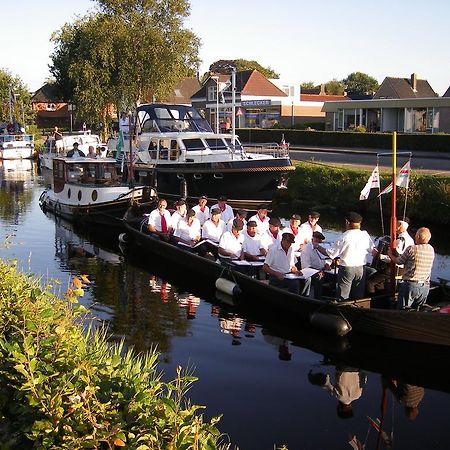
column 445, row 310
column 123, row 238
column 227, row 286
column 331, row 323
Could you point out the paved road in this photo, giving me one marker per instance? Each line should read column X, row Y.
column 433, row 162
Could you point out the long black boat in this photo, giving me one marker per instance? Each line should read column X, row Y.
column 358, row 316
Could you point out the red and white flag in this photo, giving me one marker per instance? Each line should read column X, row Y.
column 402, row 179
column 372, row 182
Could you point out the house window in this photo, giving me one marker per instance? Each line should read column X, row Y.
column 51, row 107
column 212, row 93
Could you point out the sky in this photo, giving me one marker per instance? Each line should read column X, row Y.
column 302, row 41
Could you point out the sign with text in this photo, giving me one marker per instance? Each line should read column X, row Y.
column 256, row 103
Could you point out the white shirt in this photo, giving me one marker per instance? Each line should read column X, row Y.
column 230, row 224
column 312, row 258
column 155, row 219
column 300, row 237
column 212, row 231
column 306, row 230
column 267, row 239
column 404, row 240
column 230, row 243
column 353, row 248
column 227, row 214
column 175, row 218
column 188, row 232
column 261, row 225
column 347, row 387
column 201, row 216
column 277, row 259
column 252, row 245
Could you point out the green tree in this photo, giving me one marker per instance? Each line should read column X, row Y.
column 125, row 53
column 308, row 85
column 360, row 83
column 334, row 87
column 14, row 89
column 224, row 66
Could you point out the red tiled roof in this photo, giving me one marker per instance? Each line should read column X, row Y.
column 258, row 84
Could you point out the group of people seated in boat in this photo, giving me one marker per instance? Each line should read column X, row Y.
column 260, row 246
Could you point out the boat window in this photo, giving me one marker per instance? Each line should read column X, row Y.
column 149, row 126
column 80, row 195
column 218, row 176
column 69, row 193
column 94, row 195
column 198, row 176
column 216, row 144
column 193, row 144
column 237, row 144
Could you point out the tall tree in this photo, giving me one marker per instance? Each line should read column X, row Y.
column 360, row 83
column 224, row 66
column 308, row 85
column 14, row 94
column 334, row 87
column 127, row 52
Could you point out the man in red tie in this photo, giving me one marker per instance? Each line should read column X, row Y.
column 159, row 221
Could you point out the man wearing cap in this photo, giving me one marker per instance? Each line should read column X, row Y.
column 75, row 152
column 179, row 213
column 312, row 258
column 159, row 221
column 272, row 235
column 307, row 228
column 230, row 245
column 281, row 261
column 241, row 214
column 261, row 219
column 294, row 228
column 418, row 262
column 201, row 210
column 353, row 248
column 212, row 230
column 252, row 245
column 226, row 211
column 187, row 233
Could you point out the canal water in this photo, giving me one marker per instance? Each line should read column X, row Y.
column 262, row 374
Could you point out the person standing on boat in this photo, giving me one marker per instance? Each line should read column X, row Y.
column 353, row 248
column 159, row 222
column 201, row 210
column 307, row 228
column 187, row 234
column 261, row 219
column 226, row 211
column 418, row 262
column 58, row 137
column 230, row 245
column 280, row 265
column 75, row 152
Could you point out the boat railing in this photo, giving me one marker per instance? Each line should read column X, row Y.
column 269, row 148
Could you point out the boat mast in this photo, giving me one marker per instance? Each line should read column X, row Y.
column 130, row 162
column 233, row 106
column 394, row 206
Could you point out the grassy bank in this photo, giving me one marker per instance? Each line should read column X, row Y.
column 321, row 186
column 63, row 388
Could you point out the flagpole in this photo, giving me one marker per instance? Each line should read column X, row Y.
column 393, row 207
column 407, row 190
column 379, row 199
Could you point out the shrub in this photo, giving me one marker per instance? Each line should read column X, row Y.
column 61, row 388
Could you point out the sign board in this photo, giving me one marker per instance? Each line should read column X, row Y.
column 239, row 112
column 256, row 103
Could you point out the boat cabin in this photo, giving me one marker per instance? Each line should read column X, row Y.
column 84, row 139
column 84, row 171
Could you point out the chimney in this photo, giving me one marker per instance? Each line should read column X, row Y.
column 322, row 90
column 414, row 82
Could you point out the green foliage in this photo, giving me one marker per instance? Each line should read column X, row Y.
column 428, row 196
column 62, row 389
column 334, row 87
column 224, row 66
column 308, row 85
column 360, row 83
column 21, row 107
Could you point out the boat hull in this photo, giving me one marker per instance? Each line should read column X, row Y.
column 425, row 327
column 246, row 183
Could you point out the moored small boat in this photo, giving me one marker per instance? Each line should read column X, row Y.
column 90, row 190
column 16, row 146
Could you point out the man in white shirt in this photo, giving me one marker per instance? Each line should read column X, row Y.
column 178, row 214
column 230, row 245
column 294, row 228
column 353, row 248
column 188, row 232
column 212, row 230
column 201, row 210
column 240, row 214
column 281, row 262
column 272, row 235
column 313, row 259
column 159, row 222
column 307, row 228
column 252, row 246
column 261, row 219
column 226, row 211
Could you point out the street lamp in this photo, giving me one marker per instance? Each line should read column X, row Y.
column 216, row 79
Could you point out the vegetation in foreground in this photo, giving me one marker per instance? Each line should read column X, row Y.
column 62, row 388
column 314, row 184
